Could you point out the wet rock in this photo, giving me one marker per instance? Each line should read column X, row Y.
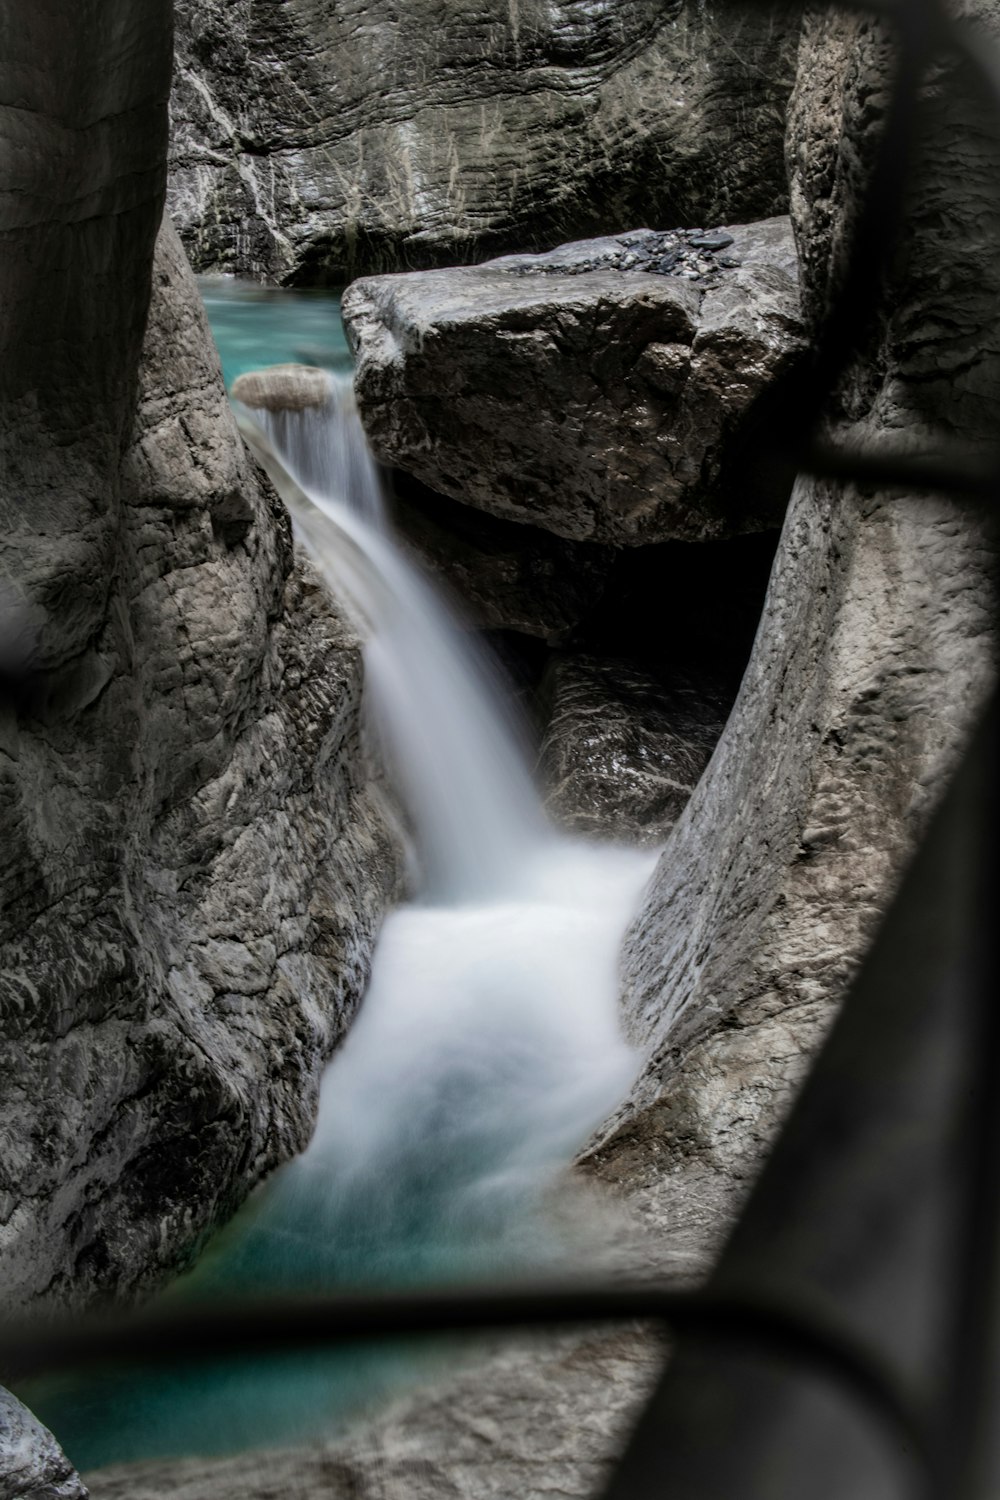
column 32, row 1464
column 582, row 391
column 283, row 388
column 622, row 751
column 196, row 860
column 312, row 142
column 713, row 241
column 876, row 657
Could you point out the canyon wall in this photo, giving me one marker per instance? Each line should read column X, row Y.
column 194, row 862
column 873, row 660
column 311, row 142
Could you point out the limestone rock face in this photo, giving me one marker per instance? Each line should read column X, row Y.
column 597, row 391
column 32, row 1465
column 194, row 869
column 622, row 751
column 313, row 141
column 875, row 653
column 195, row 863
column 503, row 576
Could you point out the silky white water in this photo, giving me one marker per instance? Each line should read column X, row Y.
column 487, row 1047
column 452, row 752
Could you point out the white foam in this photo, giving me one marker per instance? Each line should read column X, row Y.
column 488, row 1046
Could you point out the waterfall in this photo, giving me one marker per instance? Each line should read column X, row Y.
column 487, row 1045
column 453, row 752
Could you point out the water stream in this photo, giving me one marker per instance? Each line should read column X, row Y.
column 487, row 1047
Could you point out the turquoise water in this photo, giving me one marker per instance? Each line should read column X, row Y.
column 258, row 325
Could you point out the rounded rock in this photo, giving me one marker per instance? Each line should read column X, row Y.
column 283, row 388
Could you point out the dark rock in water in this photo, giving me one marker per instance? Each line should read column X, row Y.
column 505, row 576
column 623, row 751
column 32, row 1464
column 560, row 390
column 718, row 240
column 313, row 141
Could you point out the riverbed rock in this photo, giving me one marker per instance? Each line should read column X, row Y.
column 195, row 864
column 32, row 1464
column 312, row 142
column 623, row 751
column 283, row 388
column 599, row 391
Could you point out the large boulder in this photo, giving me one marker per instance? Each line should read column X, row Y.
column 194, row 863
column 313, row 141
column 599, row 391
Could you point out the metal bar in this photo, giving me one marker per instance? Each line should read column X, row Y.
column 219, row 1329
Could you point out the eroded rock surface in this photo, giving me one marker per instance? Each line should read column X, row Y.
column 311, row 142
column 283, row 388
column 32, row 1464
column 194, row 867
column 598, row 391
column 505, row 576
column 875, row 653
column 623, row 751
column 196, row 862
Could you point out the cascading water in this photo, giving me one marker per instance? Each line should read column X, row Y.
column 487, row 1047
column 489, row 1032
column 452, row 752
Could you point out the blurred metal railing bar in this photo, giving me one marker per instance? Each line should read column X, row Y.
column 945, row 472
column 271, row 1325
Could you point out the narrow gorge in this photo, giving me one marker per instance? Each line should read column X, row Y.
column 452, row 765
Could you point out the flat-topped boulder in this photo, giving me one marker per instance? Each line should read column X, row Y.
column 599, row 391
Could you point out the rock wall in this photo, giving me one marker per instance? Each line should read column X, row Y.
column 874, row 656
column 194, row 862
column 312, row 141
